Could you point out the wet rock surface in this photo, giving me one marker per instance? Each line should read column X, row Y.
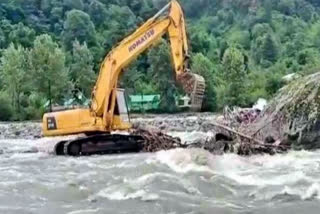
column 156, row 131
column 166, row 123
column 20, row 130
column 178, row 122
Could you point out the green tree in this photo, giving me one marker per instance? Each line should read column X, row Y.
column 78, row 26
column 267, row 16
column 274, row 83
column 260, row 30
column 2, row 39
column 314, row 2
column 235, row 77
column 97, row 12
column 22, row 34
column 163, row 76
column 5, row 28
column 315, row 35
column 73, row 4
column 120, row 21
column 272, row 35
column 287, row 6
column 202, row 65
column 265, row 50
column 189, row 6
column 48, row 72
column 6, row 111
column 308, row 56
column 256, row 86
column 235, row 36
column 305, row 10
column 201, row 41
column 13, row 69
column 81, row 69
column 269, row 49
column 135, row 80
column 13, row 13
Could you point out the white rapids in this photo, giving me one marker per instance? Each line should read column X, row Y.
column 192, row 181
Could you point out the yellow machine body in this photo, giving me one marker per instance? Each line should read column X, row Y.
column 108, row 110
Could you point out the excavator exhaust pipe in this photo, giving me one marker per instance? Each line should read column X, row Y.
column 194, row 85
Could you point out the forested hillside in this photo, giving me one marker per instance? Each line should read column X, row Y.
column 50, row 48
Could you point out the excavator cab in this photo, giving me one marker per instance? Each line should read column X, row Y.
column 121, row 108
column 56, row 123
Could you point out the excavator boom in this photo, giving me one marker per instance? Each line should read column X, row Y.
column 108, row 111
column 131, row 47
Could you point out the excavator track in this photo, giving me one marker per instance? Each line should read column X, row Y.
column 100, row 144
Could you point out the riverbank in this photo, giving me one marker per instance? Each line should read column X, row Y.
column 187, row 122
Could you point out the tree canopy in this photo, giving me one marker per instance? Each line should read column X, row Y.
column 242, row 48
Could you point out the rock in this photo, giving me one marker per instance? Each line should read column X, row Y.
column 269, row 140
column 37, row 136
column 219, row 147
column 21, row 130
column 196, row 145
column 178, row 122
column 163, row 126
column 207, row 126
column 34, row 150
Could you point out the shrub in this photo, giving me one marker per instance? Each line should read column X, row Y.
column 6, row 111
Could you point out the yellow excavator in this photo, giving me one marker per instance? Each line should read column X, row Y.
column 108, row 110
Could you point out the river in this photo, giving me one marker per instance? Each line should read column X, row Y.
column 178, row 181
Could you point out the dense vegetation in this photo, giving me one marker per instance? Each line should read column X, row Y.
column 51, row 48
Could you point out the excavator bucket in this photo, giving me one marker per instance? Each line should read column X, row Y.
column 194, row 85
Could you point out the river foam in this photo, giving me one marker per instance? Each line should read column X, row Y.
column 178, row 181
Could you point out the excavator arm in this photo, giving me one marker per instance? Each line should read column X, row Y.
column 106, row 112
column 104, row 115
column 173, row 23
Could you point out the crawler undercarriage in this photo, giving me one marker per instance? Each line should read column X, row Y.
column 100, row 144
